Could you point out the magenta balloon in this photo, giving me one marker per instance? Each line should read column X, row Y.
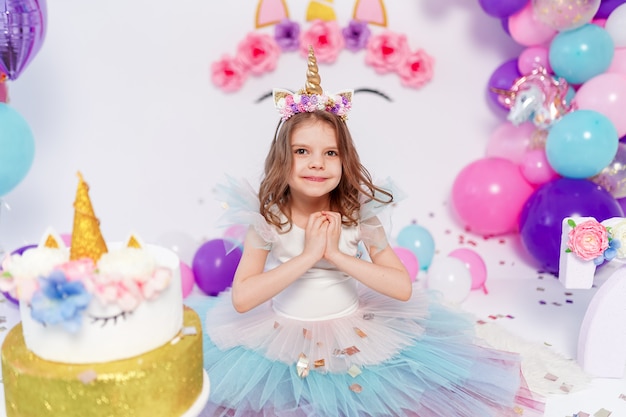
column 409, row 260
column 214, row 265
column 22, row 31
column 488, row 195
column 544, row 211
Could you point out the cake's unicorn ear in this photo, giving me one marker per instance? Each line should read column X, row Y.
column 87, row 240
column 51, row 239
column 134, row 241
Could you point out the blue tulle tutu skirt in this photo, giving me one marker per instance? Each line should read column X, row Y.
column 388, row 358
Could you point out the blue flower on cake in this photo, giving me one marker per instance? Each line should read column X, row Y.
column 60, row 300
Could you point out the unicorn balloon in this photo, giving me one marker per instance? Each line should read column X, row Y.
column 537, row 97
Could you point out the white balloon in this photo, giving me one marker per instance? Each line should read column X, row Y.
column 181, row 243
column 451, row 277
column 615, row 25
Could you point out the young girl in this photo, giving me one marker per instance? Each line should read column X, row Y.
column 312, row 329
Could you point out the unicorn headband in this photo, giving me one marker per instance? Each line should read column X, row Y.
column 312, row 97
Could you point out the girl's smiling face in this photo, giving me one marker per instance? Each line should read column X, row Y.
column 316, row 168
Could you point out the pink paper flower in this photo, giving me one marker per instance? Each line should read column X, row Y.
column 588, row 240
column 78, row 270
column 387, row 51
column 258, row 53
column 326, row 39
column 228, row 74
column 417, row 69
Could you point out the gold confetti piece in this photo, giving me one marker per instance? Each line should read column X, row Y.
column 87, row 376
column 307, row 334
column 547, row 344
column 320, row 344
column 354, row 371
column 189, row 331
column 540, row 289
column 175, row 340
column 360, row 332
column 550, row 377
column 582, row 414
column 302, row 366
column 602, row 413
column 276, row 325
column 566, row 387
column 320, row 363
column 518, row 410
column 622, row 397
column 356, row 388
column 351, row 350
column 338, row 353
column 368, row 316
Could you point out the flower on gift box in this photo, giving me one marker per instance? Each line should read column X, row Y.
column 417, row 69
column 60, row 301
column 228, row 73
column 356, row 35
column 325, row 38
column 258, row 53
column 590, row 240
column 387, row 51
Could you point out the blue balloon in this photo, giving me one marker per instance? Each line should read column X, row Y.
column 17, row 148
column 581, row 144
column 582, row 53
column 419, row 241
column 541, row 219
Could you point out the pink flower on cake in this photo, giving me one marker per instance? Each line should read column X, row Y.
column 387, row 51
column 588, row 240
column 417, row 69
column 326, row 39
column 229, row 74
column 159, row 282
column 258, row 53
column 78, row 270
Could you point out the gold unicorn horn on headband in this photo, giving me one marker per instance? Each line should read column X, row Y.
column 313, row 78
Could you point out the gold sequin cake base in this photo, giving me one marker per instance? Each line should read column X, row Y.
column 163, row 382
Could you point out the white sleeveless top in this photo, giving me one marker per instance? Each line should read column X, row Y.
column 323, row 292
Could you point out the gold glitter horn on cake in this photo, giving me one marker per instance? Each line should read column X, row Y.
column 87, row 240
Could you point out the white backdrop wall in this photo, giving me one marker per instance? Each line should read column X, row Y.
column 121, row 91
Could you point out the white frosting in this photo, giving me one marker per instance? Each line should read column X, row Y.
column 107, row 333
column 323, row 292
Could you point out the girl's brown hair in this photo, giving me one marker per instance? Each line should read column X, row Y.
column 274, row 193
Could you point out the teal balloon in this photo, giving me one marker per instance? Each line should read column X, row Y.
column 419, row 241
column 17, row 148
column 580, row 54
column 581, row 144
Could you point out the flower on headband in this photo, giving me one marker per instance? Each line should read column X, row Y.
column 325, row 38
column 386, row 51
column 288, row 103
column 228, row 74
column 356, row 35
column 258, row 53
column 287, row 35
column 417, row 69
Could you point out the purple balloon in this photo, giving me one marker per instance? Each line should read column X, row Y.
column 503, row 78
column 543, row 213
column 22, row 30
column 214, row 265
column 17, row 251
column 606, row 7
column 502, row 8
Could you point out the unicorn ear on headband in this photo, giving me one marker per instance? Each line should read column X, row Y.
column 312, row 97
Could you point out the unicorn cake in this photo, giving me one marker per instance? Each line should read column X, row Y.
column 103, row 330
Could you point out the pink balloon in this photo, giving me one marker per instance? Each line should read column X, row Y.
column 536, row 168
column 187, row 278
column 476, row 265
column 618, row 64
column 409, row 260
column 488, row 196
column 606, row 94
column 532, row 58
column 527, row 30
column 509, row 141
